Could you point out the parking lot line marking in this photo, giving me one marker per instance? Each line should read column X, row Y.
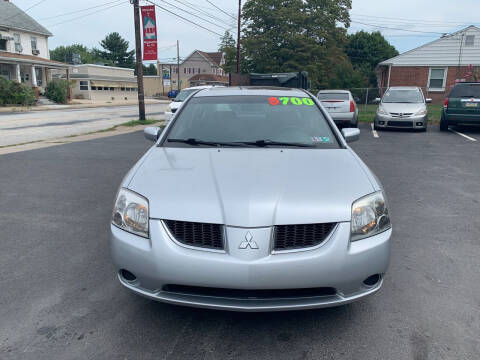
column 374, row 132
column 465, row 136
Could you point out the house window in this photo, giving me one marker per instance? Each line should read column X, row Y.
column 437, row 78
column 184, row 70
column 122, row 88
column 83, row 85
column 33, row 40
column 199, row 70
column 189, row 70
column 94, row 88
column 18, row 43
column 106, row 88
column 470, row 40
column 3, row 44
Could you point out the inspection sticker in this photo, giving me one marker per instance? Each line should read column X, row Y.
column 323, row 139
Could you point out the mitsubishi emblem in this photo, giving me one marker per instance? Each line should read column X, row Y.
column 248, row 243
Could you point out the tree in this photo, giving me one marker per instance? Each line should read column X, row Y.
column 228, row 46
column 60, row 53
column 116, row 51
column 295, row 35
column 148, row 70
column 366, row 51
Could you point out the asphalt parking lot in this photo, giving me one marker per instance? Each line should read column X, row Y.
column 60, row 298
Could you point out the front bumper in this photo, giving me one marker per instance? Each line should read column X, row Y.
column 337, row 263
column 411, row 122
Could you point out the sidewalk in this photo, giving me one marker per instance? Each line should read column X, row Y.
column 78, row 104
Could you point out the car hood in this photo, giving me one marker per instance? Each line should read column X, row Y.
column 402, row 107
column 251, row 187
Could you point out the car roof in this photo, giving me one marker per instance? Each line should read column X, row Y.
column 404, row 88
column 201, row 87
column 334, row 91
column 251, row 90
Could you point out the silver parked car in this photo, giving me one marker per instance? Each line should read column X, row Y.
column 402, row 107
column 246, row 202
column 341, row 106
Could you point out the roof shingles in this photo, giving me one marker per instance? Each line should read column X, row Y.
column 13, row 17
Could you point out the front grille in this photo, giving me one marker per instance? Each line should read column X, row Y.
column 289, row 237
column 202, row 235
column 401, row 123
column 249, row 294
column 401, row 114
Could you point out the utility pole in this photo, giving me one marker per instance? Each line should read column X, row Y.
column 178, row 67
column 238, row 35
column 138, row 48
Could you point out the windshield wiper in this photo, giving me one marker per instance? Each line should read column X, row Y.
column 263, row 143
column 193, row 141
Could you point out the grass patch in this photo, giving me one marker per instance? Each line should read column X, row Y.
column 367, row 113
column 139, row 122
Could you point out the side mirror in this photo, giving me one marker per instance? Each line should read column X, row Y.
column 351, row 134
column 428, row 101
column 152, row 133
column 376, row 100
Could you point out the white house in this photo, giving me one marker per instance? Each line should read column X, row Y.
column 24, row 55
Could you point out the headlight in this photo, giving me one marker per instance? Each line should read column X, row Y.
column 369, row 216
column 422, row 112
column 381, row 111
column 130, row 212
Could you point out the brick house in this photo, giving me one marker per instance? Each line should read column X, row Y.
column 436, row 66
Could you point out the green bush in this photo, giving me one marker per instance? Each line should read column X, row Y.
column 14, row 93
column 57, row 91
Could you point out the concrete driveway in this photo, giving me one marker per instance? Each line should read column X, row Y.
column 60, row 298
column 25, row 127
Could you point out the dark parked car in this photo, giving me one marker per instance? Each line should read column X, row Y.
column 462, row 106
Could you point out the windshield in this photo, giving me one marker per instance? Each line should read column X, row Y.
column 333, row 96
column 403, row 96
column 466, row 91
column 184, row 94
column 251, row 121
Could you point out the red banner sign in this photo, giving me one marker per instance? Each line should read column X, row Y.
column 149, row 33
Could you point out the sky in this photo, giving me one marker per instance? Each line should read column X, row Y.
column 406, row 24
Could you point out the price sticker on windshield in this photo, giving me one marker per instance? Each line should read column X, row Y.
column 286, row 100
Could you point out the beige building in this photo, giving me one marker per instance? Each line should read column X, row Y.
column 196, row 64
column 24, row 55
column 102, row 83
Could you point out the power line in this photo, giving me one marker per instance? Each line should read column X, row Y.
column 409, row 19
column 83, row 16
column 77, row 11
column 190, row 13
column 223, row 11
column 183, row 18
column 391, row 28
column 196, row 8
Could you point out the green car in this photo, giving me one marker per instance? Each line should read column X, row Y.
column 462, row 106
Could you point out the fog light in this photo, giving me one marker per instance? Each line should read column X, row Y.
column 372, row 280
column 381, row 122
column 419, row 124
column 127, row 275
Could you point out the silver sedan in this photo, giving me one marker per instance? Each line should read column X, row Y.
column 251, row 200
column 402, row 107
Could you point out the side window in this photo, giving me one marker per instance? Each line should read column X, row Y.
column 18, row 43
column 470, row 40
column 437, row 78
column 33, row 40
column 83, row 85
